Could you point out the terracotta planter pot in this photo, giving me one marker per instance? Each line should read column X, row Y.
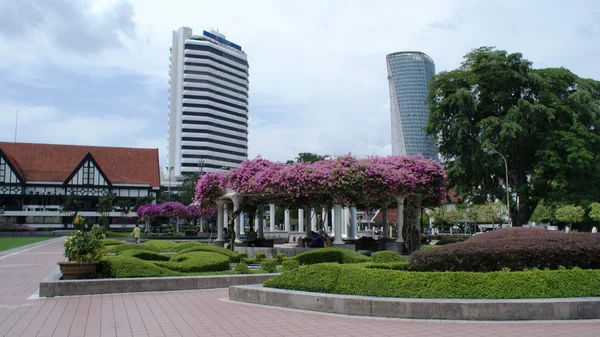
column 78, row 270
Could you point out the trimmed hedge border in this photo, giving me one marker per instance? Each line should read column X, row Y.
column 323, row 255
column 452, row 309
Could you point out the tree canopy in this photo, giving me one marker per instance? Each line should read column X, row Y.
column 544, row 121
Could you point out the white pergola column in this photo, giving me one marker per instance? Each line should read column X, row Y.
column 417, row 200
column 352, row 230
column 272, row 217
column 337, row 224
column 400, row 207
column 220, row 241
column 242, row 224
column 225, row 216
column 300, row 220
column 313, row 220
column 236, row 223
column 260, row 222
column 325, row 220
column 286, row 220
column 333, row 229
column 307, row 227
column 345, row 222
column 201, row 229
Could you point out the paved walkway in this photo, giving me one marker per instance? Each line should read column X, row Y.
column 205, row 313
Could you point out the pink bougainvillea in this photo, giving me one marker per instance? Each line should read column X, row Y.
column 149, row 211
column 346, row 180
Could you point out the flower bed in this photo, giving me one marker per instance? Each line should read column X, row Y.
column 515, row 249
column 356, row 279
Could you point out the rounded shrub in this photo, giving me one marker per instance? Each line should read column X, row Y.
column 233, row 256
column 196, row 262
column 259, row 257
column 514, row 248
column 111, row 242
column 128, row 266
column 145, row 255
column 268, row 265
column 290, row 265
column 247, row 260
column 386, row 256
column 358, row 280
column 241, row 268
column 398, row 265
column 162, row 245
column 186, row 245
column 447, row 241
column 116, row 249
column 324, row 255
column 280, row 258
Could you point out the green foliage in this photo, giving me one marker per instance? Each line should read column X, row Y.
column 185, row 245
column 145, row 255
column 544, row 121
column 358, row 279
column 398, row 265
column 595, row 211
column 248, row 260
column 161, row 245
column 196, row 262
column 447, row 241
column 290, row 264
column 233, row 257
column 84, row 246
column 570, row 214
column 543, row 213
column 386, row 256
column 110, row 234
column 116, row 249
column 259, row 257
column 338, row 255
column 111, row 242
column 242, row 256
column 128, row 266
column 268, row 265
column 309, row 157
column 241, row 268
column 280, row 258
column 106, row 204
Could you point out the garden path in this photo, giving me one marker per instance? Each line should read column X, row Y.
column 204, row 313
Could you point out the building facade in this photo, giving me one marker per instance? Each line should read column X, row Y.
column 409, row 75
column 208, row 108
column 36, row 179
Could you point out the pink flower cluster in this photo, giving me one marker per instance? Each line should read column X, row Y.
column 347, row 180
column 175, row 209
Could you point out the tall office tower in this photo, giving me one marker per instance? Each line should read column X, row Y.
column 409, row 75
column 208, row 108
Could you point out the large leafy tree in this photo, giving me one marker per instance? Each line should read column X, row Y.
column 545, row 122
column 570, row 214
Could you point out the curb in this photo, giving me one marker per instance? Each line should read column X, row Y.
column 443, row 309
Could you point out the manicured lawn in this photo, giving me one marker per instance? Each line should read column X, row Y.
column 7, row 243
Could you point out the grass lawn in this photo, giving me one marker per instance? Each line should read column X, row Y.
column 7, row 243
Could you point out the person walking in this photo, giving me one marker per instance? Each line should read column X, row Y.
column 136, row 233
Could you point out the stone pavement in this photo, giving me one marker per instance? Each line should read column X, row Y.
column 205, row 313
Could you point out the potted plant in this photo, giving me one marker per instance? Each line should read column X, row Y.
column 83, row 251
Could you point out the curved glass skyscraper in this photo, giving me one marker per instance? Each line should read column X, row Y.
column 409, row 75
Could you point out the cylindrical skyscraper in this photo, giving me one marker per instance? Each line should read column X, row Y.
column 409, row 75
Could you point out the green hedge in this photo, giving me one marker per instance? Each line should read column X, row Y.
column 324, row 255
column 290, row 264
column 386, row 256
column 241, row 268
column 259, row 257
column 358, row 280
column 111, row 242
column 162, row 245
column 186, row 245
column 233, row 256
column 196, row 262
column 128, row 266
column 122, row 248
column 447, row 241
column 268, row 265
column 399, row 265
column 280, row 258
column 145, row 255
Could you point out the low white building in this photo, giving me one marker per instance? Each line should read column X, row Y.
column 36, row 179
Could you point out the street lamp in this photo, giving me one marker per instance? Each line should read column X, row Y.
column 170, row 171
column 491, row 150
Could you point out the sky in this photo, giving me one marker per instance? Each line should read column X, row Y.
column 95, row 72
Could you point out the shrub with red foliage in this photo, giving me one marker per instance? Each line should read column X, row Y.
column 515, row 248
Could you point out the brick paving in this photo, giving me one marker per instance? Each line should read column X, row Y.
column 206, row 313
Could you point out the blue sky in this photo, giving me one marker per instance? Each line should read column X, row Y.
column 96, row 72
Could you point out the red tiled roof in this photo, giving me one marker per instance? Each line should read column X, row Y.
column 50, row 162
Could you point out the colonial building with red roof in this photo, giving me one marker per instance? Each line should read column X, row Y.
column 35, row 179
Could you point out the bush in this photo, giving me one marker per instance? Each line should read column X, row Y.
column 399, row 265
column 247, row 260
column 280, row 258
column 241, row 268
column 128, row 266
column 447, row 241
column 290, row 264
column 338, row 255
column 233, row 257
column 162, row 245
column 268, row 265
column 386, row 256
column 514, row 248
column 358, row 280
column 84, row 246
column 186, row 245
column 242, row 256
column 259, row 257
column 196, row 262
column 317, row 277
column 110, row 234
column 145, row 255
column 122, row 248
column 111, row 242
